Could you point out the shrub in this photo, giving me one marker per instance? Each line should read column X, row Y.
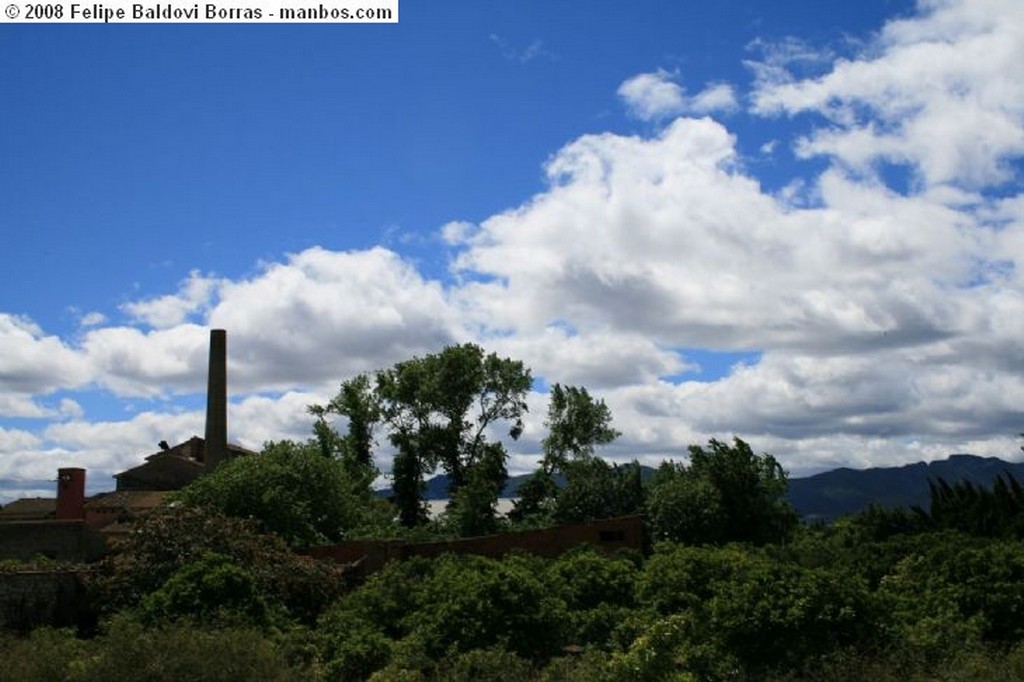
column 210, row 590
column 170, row 538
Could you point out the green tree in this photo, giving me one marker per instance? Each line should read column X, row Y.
column 595, row 489
column 290, row 489
column 740, row 604
column 438, row 410
column 684, row 508
column 129, row 652
column 598, row 591
column 472, row 508
column 956, row 585
column 977, row 510
column 577, row 423
column 536, row 497
column 415, row 612
column 358, row 405
column 727, row 493
column 471, row 602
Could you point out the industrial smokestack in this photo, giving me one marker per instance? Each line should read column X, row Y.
column 216, row 446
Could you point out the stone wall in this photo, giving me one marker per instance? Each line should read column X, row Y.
column 29, row 599
column 59, row 540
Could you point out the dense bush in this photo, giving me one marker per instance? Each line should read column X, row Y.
column 210, row 590
column 290, row 489
column 171, row 538
column 129, row 652
column 598, row 593
column 744, row 604
column 422, row 610
column 958, row 589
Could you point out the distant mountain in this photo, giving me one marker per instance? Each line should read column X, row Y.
column 840, row 492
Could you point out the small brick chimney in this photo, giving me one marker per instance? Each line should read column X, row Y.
column 216, row 440
column 70, row 494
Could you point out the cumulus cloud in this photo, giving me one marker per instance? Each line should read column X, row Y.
column 194, row 295
column 34, row 363
column 651, row 96
column 657, row 95
column 132, row 362
column 938, row 91
column 886, row 317
column 719, row 97
column 664, row 237
column 318, row 316
column 325, row 315
column 595, row 360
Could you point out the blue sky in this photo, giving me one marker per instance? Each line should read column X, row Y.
column 799, row 222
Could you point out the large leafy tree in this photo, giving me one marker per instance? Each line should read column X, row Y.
column 356, row 403
column 727, row 493
column 577, row 423
column 439, row 411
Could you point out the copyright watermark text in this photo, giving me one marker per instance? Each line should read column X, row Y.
column 226, row 11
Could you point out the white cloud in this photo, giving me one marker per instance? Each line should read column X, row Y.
column 652, row 96
column 195, row 295
column 662, row 237
column 258, row 419
column 32, row 362
column 22, row 406
column 595, row 360
column 70, row 409
column 93, row 319
column 326, row 315
column 657, row 96
column 456, row 231
column 938, row 91
column 131, row 362
column 717, row 97
column 319, row 316
column 14, row 439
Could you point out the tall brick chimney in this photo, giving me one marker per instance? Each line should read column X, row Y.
column 70, row 494
column 216, row 438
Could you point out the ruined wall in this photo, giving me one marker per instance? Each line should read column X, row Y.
column 607, row 535
column 29, row 599
column 60, row 540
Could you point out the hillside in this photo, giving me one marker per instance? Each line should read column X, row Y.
column 844, row 491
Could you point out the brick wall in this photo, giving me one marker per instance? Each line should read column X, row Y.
column 608, row 535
